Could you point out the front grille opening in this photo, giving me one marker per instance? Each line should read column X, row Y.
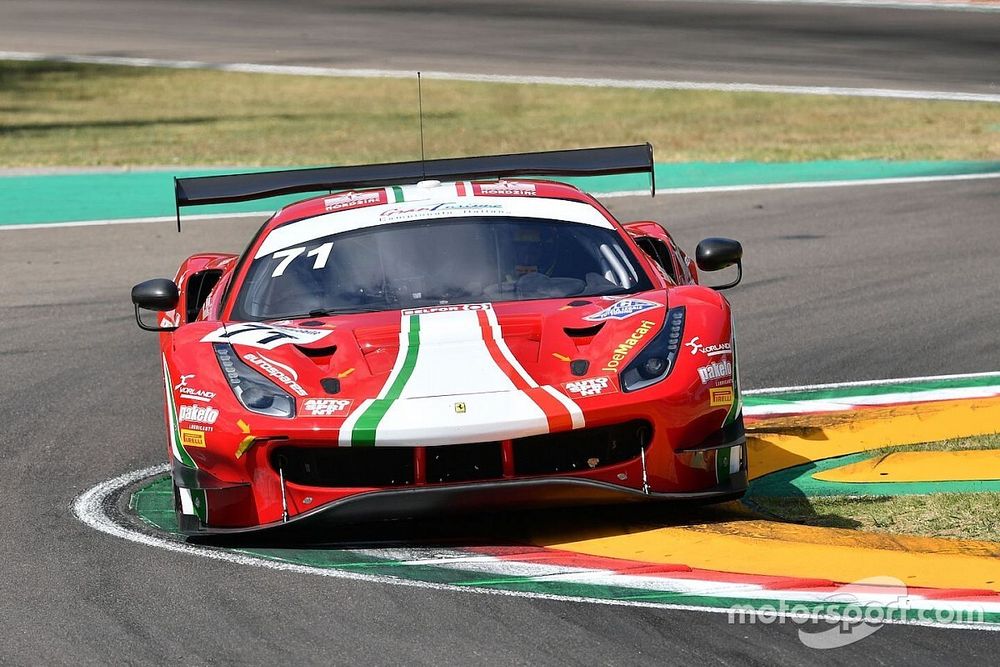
column 586, row 449
column 464, row 463
column 345, row 466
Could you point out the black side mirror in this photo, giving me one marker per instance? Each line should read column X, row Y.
column 715, row 254
column 156, row 294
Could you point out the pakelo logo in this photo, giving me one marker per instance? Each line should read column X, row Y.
column 591, row 386
column 625, row 347
column 265, row 336
column 327, row 407
column 720, row 396
column 717, row 370
column 191, row 438
column 286, row 375
column 507, row 189
column 623, row 309
column 427, row 310
column 710, row 350
column 349, row 199
column 197, row 413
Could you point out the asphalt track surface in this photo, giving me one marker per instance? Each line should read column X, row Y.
column 841, row 283
column 778, row 44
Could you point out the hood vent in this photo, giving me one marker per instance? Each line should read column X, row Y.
column 584, row 332
column 317, row 352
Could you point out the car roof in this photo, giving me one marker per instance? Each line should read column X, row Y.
column 427, row 191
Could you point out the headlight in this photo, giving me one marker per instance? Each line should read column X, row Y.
column 658, row 358
column 253, row 390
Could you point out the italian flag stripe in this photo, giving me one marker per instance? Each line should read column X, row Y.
column 397, row 193
column 175, row 435
column 556, row 413
column 363, row 434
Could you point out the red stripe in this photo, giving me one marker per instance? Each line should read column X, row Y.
column 555, row 412
column 460, row 188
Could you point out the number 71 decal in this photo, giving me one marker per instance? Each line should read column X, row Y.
column 322, row 255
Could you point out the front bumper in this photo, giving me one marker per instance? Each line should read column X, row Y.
column 469, row 498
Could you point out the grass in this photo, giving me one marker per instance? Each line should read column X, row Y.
column 958, row 515
column 54, row 114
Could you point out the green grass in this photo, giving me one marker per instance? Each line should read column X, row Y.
column 958, row 515
column 91, row 115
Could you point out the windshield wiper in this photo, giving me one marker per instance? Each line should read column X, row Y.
column 342, row 310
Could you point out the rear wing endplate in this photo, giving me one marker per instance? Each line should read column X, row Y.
column 202, row 190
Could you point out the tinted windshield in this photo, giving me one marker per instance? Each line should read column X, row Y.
column 436, row 262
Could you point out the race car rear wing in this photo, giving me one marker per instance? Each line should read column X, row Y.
column 226, row 188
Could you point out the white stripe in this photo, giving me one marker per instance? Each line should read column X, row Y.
column 187, row 505
column 491, row 317
column 575, row 413
column 871, row 383
column 877, row 4
column 303, row 231
column 902, row 180
column 171, row 417
column 644, row 84
column 137, row 221
column 89, row 508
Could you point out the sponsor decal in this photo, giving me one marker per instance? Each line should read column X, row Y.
column 717, row 370
column 623, row 309
column 710, row 350
column 720, row 396
column 444, row 208
column 191, row 392
column 591, row 386
column 625, row 347
column 203, row 414
column 460, row 408
column 349, row 199
column 171, row 320
column 265, row 336
column 191, row 438
column 447, row 309
column 327, row 407
column 507, row 189
column 286, row 375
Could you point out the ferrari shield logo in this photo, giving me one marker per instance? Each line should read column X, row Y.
column 460, row 408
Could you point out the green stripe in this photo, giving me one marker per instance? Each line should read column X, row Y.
column 398, row 193
column 799, row 482
column 722, row 464
column 363, row 434
column 52, row 198
column 175, row 430
column 737, row 406
column 871, row 390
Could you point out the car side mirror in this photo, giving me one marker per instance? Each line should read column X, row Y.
column 715, row 254
column 158, row 294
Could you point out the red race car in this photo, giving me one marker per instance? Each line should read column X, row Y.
column 444, row 335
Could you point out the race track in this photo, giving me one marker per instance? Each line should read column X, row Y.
column 758, row 43
column 841, row 284
column 859, row 282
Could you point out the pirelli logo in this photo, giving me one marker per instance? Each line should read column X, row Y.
column 719, row 396
column 191, row 438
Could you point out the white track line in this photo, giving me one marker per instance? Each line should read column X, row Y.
column 599, row 195
column 645, row 84
column 871, row 383
column 90, row 508
column 874, row 4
